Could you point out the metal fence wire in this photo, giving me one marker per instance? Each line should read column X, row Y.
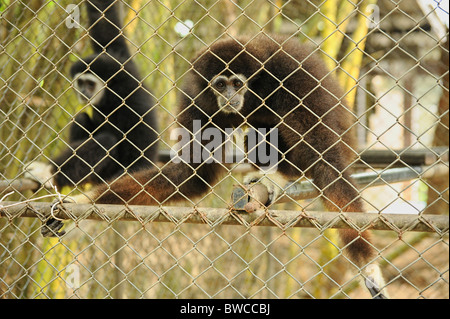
column 95, row 99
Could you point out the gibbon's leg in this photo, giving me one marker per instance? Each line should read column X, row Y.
column 175, row 182
column 340, row 194
column 87, row 160
column 327, row 162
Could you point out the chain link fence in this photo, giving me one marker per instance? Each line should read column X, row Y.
column 390, row 58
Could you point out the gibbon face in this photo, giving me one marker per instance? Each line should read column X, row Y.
column 89, row 87
column 229, row 92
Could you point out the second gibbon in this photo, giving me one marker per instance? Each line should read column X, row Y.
column 121, row 134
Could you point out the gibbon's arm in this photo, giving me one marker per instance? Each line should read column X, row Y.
column 175, row 182
column 105, row 27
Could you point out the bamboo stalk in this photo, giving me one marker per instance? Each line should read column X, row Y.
column 351, row 66
column 338, row 16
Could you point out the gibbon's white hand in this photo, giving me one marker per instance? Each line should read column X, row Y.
column 40, row 172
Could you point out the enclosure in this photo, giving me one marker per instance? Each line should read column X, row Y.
column 389, row 56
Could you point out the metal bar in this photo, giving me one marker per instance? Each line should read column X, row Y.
column 391, row 175
column 18, row 185
column 400, row 157
column 306, row 189
column 372, row 157
column 411, row 157
column 222, row 216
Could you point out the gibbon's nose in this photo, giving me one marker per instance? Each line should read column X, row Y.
column 230, row 94
column 231, row 97
column 232, row 101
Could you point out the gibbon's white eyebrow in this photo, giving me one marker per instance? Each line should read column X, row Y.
column 87, row 76
column 239, row 76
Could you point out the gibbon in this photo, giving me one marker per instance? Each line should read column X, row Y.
column 121, row 135
column 263, row 82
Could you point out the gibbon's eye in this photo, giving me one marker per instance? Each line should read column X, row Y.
column 238, row 83
column 220, row 84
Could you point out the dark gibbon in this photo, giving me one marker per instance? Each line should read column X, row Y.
column 263, row 83
column 121, row 135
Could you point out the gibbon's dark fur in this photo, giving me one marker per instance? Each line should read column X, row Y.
column 123, row 126
column 289, row 88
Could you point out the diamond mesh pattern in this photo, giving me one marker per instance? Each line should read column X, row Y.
column 391, row 57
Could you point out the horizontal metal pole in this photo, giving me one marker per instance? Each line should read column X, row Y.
column 368, row 157
column 222, row 216
column 307, row 190
column 399, row 157
column 363, row 179
column 402, row 157
column 18, row 185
